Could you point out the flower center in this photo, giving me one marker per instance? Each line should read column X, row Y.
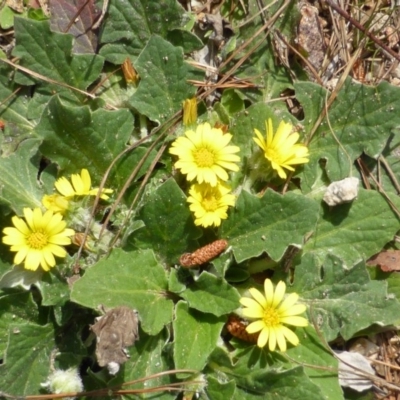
column 37, row 240
column 210, row 203
column 203, row 157
column 273, row 155
column 271, row 317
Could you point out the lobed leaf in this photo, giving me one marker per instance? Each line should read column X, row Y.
column 18, row 177
column 50, row 54
column 343, row 301
column 360, row 120
column 256, row 378
column 354, row 231
column 270, row 223
column 13, row 113
column 211, row 294
column 169, row 228
column 133, row 279
column 163, row 80
column 17, row 308
column 24, row 368
column 196, row 335
column 129, row 25
column 75, row 138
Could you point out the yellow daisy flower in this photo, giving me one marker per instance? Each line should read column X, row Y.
column 80, row 186
column 280, row 149
column 204, row 155
column 55, row 202
column 272, row 311
column 210, row 203
column 38, row 239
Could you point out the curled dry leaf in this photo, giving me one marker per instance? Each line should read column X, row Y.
column 115, row 331
column 351, row 368
column 310, row 37
column 130, row 73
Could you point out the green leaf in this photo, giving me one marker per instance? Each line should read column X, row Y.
column 319, row 364
column 177, row 280
column 185, row 39
column 163, row 80
column 17, row 276
column 75, row 138
column 343, row 301
column 16, row 308
column 55, row 290
column 13, row 112
column 212, row 295
column 49, row 54
column 196, row 335
column 27, row 360
column 7, row 17
column 270, row 223
column 148, row 357
column 354, row 231
column 255, row 377
column 217, row 390
column 169, row 228
column 115, row 91
column 361, row 119
column 134, row 279
column 18, row 177
column 129, row 25
column 232, row 100
column 391, row 278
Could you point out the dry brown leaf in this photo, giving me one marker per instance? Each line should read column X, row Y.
column 387, row 260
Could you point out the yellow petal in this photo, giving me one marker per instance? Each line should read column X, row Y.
column 21, row 225
column 78, row 184
column 279, row 293
column 280, row 338
column 258, row 297
column 272, row 339
column 255, row 326
column 269, row 292
column 64, row 187
column 288, row 303
column 32, row 260
column 21, row 255
column 87, row 182
column 290, row 336
column 263, row 337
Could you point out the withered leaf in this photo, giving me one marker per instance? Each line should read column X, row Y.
column 115, row 331
column 310, row 37
column 77, row 18
column 387, row 260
